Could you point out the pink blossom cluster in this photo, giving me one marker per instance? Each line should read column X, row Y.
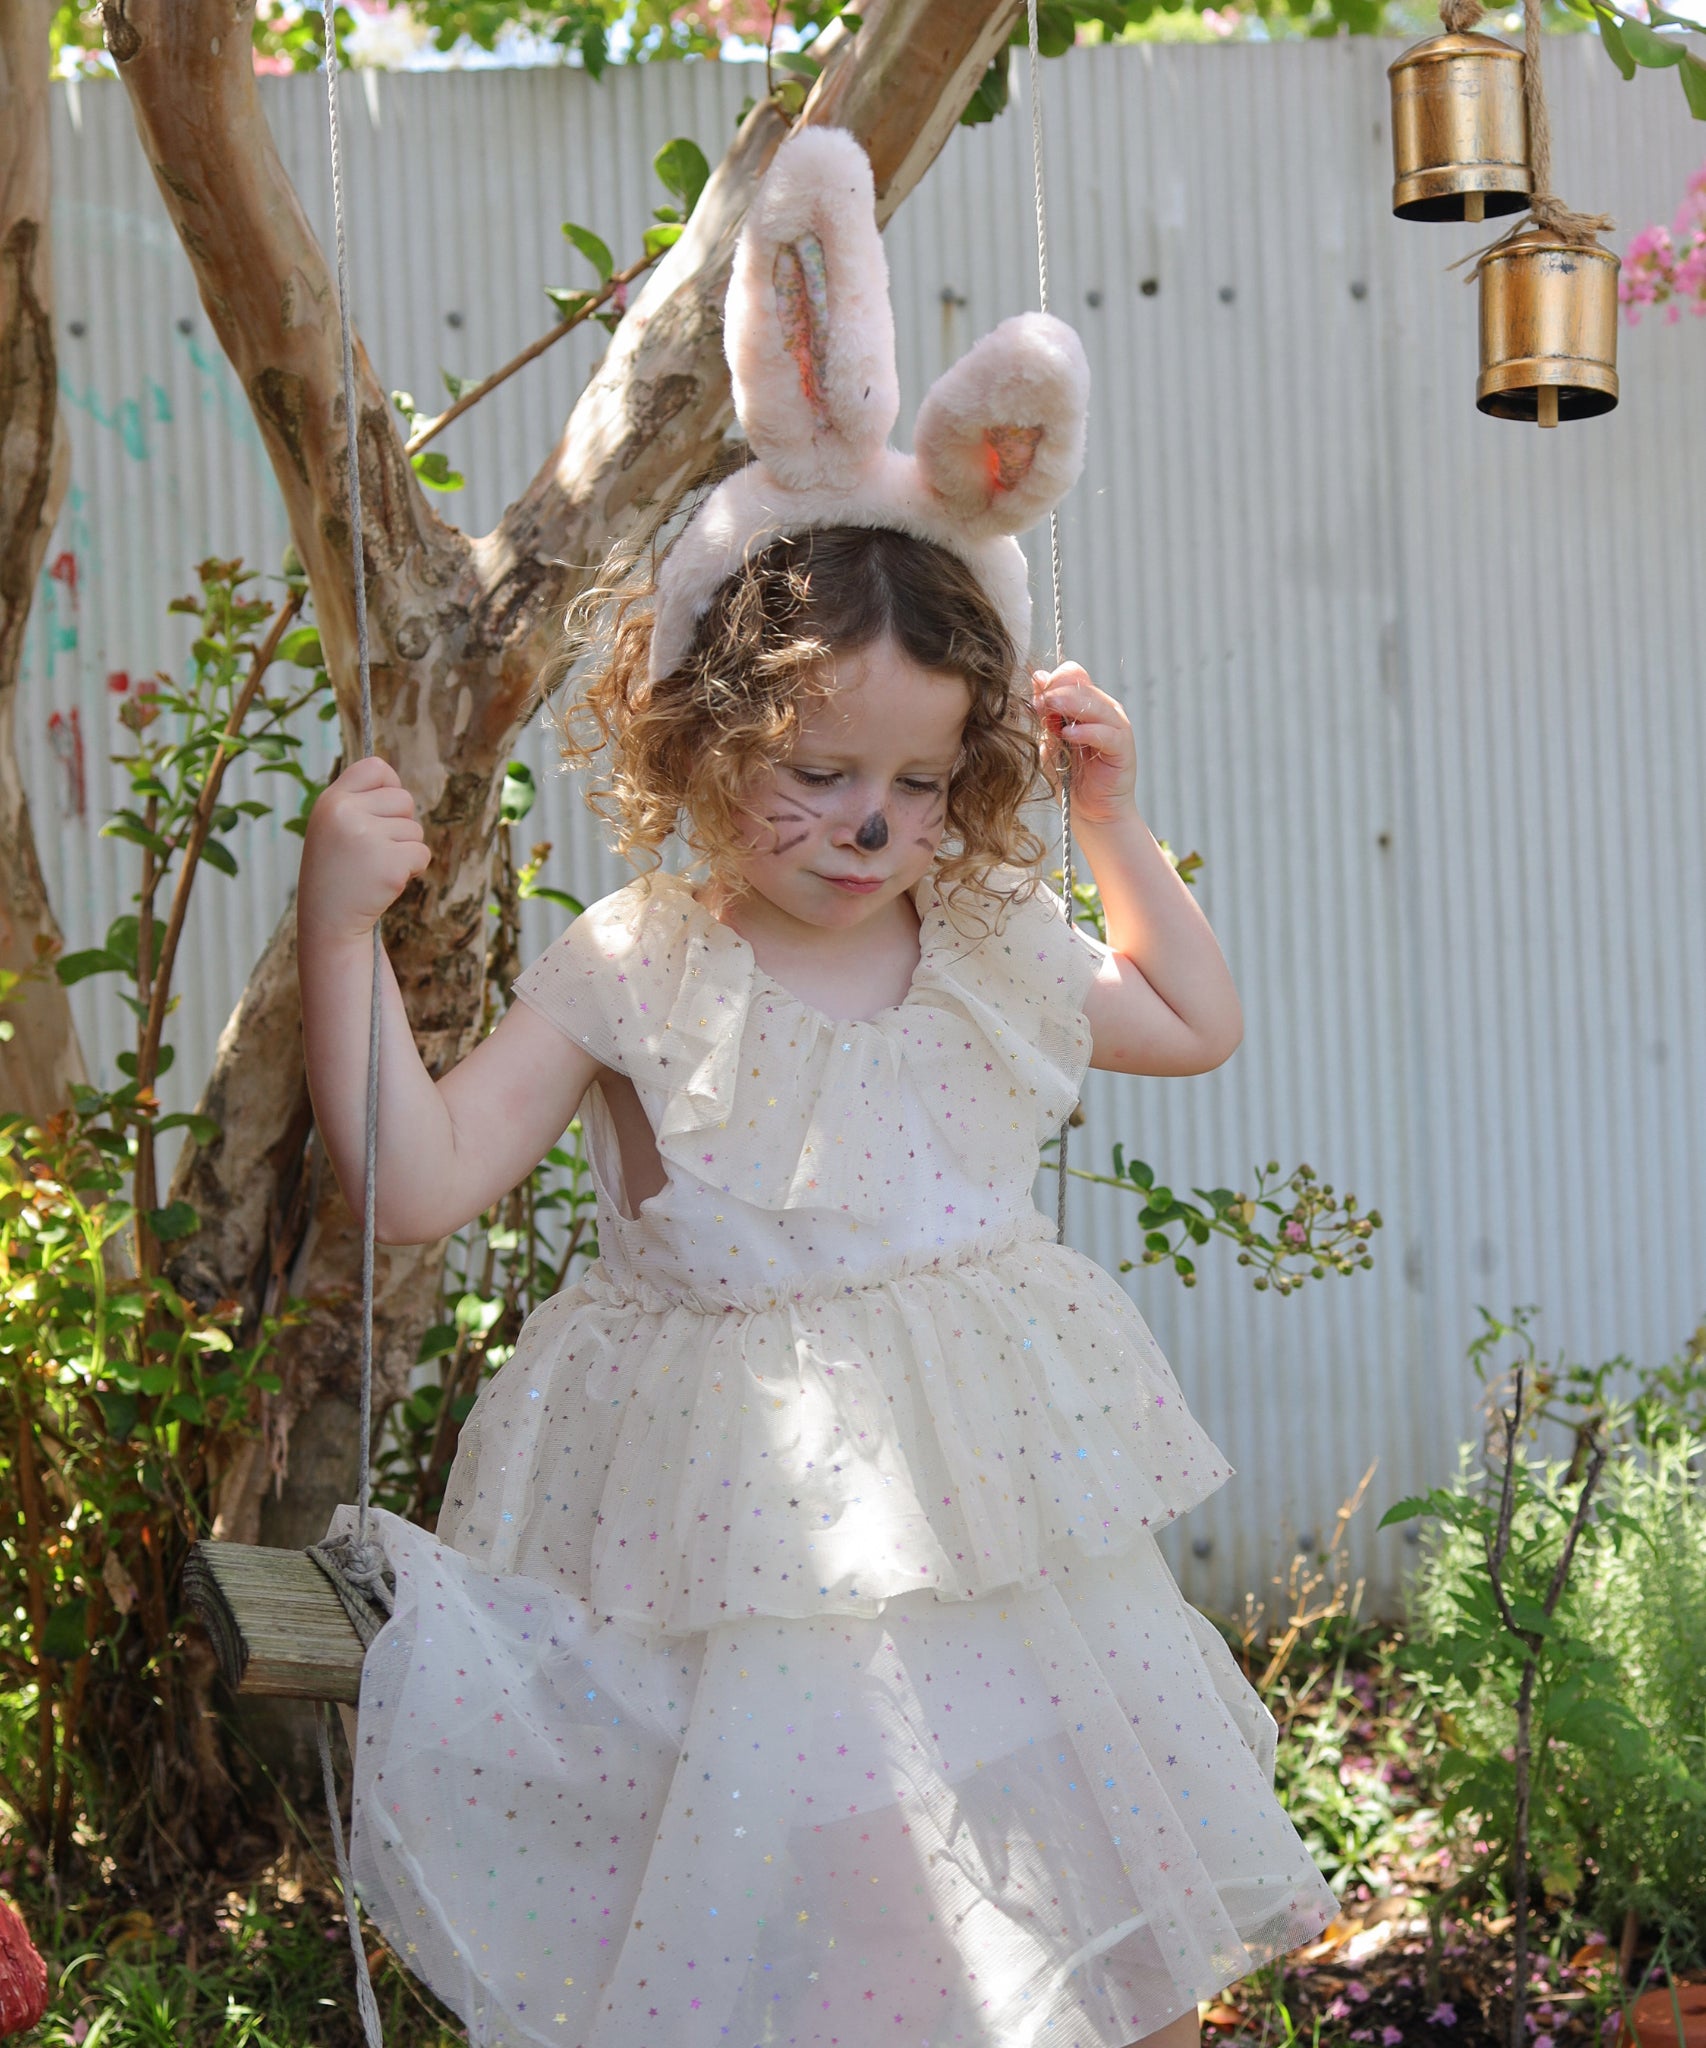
column 1667, row 266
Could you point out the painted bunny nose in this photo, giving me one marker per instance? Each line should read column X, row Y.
column 873, row 835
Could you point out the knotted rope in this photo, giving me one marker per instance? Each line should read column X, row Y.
column 1545, row 209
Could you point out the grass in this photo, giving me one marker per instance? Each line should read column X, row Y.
column 266, row 1968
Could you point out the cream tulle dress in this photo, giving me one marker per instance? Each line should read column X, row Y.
column 794, row 1662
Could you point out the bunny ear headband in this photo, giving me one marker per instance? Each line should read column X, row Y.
column 809, row 335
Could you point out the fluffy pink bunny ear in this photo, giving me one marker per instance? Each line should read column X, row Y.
column 808, row 329
column 1000, row 435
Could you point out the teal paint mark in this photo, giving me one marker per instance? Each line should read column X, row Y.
column 51, row 630
column 220, row 390
column 125, row 419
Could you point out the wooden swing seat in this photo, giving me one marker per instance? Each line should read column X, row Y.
column 276, row 1624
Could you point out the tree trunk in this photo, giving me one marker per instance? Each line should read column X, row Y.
column 42, row 1058
column 459, row 629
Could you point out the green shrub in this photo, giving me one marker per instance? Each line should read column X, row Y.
column 1618, row 1784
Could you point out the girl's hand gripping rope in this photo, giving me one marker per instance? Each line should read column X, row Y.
column 1098, row 738
column 448, row 1146
column 363, row 847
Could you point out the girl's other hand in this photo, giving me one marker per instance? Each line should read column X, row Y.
column 363, row 847
column 1097, row 734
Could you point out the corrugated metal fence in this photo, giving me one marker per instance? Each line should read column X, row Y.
column 1423, row 687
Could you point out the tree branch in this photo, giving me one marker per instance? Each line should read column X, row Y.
column 41, row 1060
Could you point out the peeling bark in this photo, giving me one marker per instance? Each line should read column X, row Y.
column 42, row 1059
column 449, row 614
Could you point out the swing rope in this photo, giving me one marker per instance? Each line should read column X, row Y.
column 355, row 1566
column 1053, row 562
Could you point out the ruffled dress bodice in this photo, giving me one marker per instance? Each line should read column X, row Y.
column 838, row 1357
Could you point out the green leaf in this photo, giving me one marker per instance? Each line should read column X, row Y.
column 303, row 648
column 1405, row 1510
column 477, row 1313
column 592, row 249
column 218, row 855
column 433, row 468
column 74, row 967
column 681, row 166
column 203, row 1129
column 176, row 1219
column 127, row 825
column 456, row 385
column 570, row 305
column 1693, row 76
column 119, row 1411
column 518, row 792
column 661, row 237
column 163, row 1058
column 1612, row 38
column 560, row 897
column 796, row 63
column 439, row 1339
column 66, row 1635
column 1656, row 52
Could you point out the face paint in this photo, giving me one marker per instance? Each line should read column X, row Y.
column 873, row 835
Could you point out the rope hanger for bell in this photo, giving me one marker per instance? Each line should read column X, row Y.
column 1545, row 209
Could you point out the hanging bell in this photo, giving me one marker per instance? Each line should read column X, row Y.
column 1459, row 130
column 1548, row 329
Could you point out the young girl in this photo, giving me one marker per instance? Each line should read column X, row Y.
column 794, row 1662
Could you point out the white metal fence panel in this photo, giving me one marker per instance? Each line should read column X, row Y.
column 1423, row 687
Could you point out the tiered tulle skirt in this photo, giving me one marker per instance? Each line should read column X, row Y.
column 803, row 1673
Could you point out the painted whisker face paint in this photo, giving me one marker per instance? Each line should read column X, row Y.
column 852, row 817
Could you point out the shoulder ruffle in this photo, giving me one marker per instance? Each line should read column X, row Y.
column 751, row 1090
column 651, row 985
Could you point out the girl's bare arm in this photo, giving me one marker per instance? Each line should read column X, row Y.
column 448, row 1148
column 1165, row 1002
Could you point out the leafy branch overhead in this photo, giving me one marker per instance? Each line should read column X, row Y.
column 682, row 167
column 1655, row 44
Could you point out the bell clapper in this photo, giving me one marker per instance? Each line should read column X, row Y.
column 1474, row 206
column 1547, row 411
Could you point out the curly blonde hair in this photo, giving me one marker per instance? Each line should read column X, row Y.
column 678, row 755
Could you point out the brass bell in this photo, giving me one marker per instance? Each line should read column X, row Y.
column 1459, row 130
column 1548, row 329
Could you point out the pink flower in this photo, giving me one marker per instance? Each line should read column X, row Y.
column 1667, row 266
column 1338, row 2010
column 1443, row 2015
column 1358, row 1990
column 1391, row 2037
